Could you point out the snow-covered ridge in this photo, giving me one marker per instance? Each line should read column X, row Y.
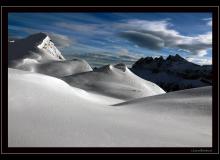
column 114, row 81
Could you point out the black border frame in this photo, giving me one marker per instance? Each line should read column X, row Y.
column 118, row 150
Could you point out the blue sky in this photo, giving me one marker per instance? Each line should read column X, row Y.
column 104, row 37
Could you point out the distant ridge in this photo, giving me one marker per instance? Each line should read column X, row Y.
column 173, row 73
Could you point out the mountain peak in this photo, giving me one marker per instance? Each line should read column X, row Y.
column 177, row 57
column 159, row 58
column 36, row 46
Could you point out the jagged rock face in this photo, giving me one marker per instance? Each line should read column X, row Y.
column 173, row 73
column 150, row 63
column 47, row 46
column 175, row 58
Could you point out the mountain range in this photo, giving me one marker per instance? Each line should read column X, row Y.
column 38, row 53
column 173, row 73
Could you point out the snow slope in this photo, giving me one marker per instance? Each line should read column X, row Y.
column 27, row 79
column 115, row 81
column 188, row 101
column 44, row 111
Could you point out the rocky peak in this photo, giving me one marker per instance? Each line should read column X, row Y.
column 175, row 58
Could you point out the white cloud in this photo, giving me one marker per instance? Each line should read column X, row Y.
column 200, row 60
column 125, row 54
column 202, row 53
column 61, row 41
column 171, row 38
column 209, row 21
column 143, row 39
column 122, row 51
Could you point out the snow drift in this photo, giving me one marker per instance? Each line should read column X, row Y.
column 115, row 81
column 44, row 111
column 187, row 102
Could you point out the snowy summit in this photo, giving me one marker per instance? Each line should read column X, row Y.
column 38, row 46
